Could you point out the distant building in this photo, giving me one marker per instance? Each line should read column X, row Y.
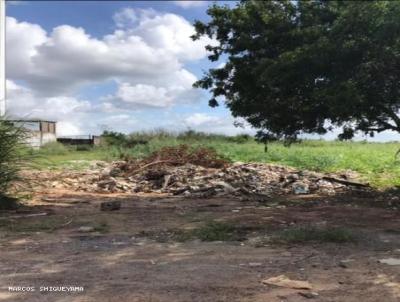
column 40, row 132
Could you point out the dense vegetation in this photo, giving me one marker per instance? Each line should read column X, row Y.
column 295, row 67
column 374, row 161
column 12, row 156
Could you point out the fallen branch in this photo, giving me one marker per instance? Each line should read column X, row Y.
column 155, row 163
column 346, row 182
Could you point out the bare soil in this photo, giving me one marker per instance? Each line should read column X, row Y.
column 133, row 254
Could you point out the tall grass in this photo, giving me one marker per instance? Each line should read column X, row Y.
column 12, row 157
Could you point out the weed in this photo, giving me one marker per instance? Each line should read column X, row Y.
column 216, row 231
column 13, row 158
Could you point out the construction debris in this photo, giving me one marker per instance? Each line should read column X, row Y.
column 284, row 281
column 197, row 173
column 390, row 261
column 253, row 180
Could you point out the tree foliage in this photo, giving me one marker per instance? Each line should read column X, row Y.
column 297, row 67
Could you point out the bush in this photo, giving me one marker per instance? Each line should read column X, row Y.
column 112, row 138
column 12, row 155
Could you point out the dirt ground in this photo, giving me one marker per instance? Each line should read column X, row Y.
column 137, row 253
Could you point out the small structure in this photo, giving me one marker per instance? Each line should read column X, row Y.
column 39, row 132
column 78, row 140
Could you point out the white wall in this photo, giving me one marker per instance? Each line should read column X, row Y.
column 48, row 138
column 36, row 139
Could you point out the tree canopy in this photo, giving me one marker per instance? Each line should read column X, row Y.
column 296, row 67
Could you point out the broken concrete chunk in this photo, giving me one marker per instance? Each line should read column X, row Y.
column 107, row 183
column 300, row 188
column 284, row 281
column 255, row 181
column 390, row 261
column 110, row 205
column 85, row 229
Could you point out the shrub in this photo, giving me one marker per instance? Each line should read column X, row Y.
column 112, row 138
column 12, row 155
column 216, row 231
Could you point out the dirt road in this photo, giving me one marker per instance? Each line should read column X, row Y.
column 182, row 249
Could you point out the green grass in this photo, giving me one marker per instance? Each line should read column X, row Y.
column 313, row 234
column 375, row 162
column 215, row 231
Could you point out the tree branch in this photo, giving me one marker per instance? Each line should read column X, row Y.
column 393, row 116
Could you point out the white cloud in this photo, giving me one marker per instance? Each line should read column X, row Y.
column 21, row 41
column 125, row 17
column 142, row 94
column 147, row 49
column 145, row 57
column 189, row 3
column 201, row 119
column 68, row 111
column 215, row 124
column 67, row 128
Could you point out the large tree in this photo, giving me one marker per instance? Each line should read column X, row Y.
column 297, row 67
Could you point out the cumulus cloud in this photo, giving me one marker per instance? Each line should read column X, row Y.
column 189, row 3
column 144, row 57
column 68, row 111
column 201, row 119
column 149, row 48
column 216, row 124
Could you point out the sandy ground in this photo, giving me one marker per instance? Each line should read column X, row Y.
column 131, row 255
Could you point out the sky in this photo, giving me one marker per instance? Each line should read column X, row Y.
column 113, row 65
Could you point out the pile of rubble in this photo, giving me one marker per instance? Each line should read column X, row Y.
column 251, row 179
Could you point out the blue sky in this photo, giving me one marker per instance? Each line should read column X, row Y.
column 122, row 100
column 119, row 65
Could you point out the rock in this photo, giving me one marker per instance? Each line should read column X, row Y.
column 85, row 229
column 107, row 183
column 227, row 187
column 344, row 263
column 390, row 261
column 115, row 172
column 284, row 281
column 292, row 177
column 167, row 180
column 255, row 181
column 110, row 205
column 300, row 188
